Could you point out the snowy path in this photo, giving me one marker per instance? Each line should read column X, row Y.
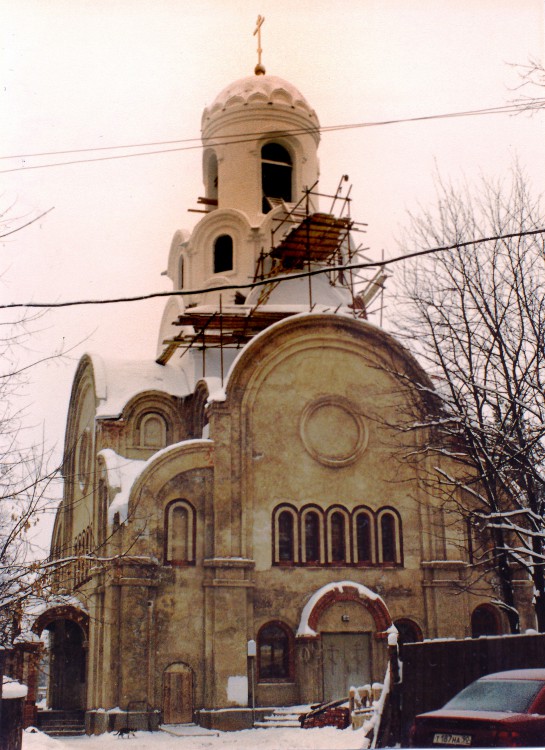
column 195, row 738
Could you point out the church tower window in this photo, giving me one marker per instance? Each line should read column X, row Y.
column 223, row 253
column 180, row 533
column 274, row 662
column 276, row 174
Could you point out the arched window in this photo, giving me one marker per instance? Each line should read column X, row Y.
column 285, row 542
column 276, row 171
column 389, row 534
column 223, row 253
column 409, row 631
column 337, row 538
column 312, row 537
column 152, row 431
column 274, row 653
column 485, row 620
column 363, row 533
column 180, row 533
column 285, row 537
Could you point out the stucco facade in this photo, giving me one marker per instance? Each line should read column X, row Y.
column 264, row 491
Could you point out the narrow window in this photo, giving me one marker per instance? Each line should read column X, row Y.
column 179, row 533
column 212, row 181
column 312, row 537
column 285, row 537
column 223, row 253
column 363, row 538
column 273, row 653
column 388, row 538
column 276, row 172
column 338, row 541
column 180, row 542
column 181, row 279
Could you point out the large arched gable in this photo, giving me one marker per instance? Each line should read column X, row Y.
column 317, row 331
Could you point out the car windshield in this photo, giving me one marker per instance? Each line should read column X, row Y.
column 514, row 696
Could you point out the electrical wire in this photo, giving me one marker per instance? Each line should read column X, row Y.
column 248, row 137
column 275, row 279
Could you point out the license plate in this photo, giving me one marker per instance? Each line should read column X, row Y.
column 452, row 739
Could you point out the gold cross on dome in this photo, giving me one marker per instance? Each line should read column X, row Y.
column 259, row 69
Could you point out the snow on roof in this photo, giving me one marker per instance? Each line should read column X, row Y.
column 117, row 381
column 13, row 689
column 39, row 606
column 122, row 474
column 304, row 628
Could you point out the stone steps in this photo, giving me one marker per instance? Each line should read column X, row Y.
column 61, row 723
column 283, row 717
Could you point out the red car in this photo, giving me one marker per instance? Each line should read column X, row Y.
column 505, row 709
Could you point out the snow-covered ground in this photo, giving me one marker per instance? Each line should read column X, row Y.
column 196, row 738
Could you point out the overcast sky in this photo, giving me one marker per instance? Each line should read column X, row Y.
column 92, row 74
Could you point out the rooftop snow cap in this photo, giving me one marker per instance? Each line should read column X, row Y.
column 260, row 89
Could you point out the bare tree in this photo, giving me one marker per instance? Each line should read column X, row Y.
column 476, row 317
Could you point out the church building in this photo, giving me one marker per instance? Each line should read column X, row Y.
column 245, row 517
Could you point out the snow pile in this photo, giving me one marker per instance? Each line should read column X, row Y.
column 190, row 737
column 13, row 689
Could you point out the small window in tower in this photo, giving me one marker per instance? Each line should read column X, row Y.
column 276, row 173
column 223, row 253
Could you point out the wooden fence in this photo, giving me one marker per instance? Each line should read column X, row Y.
column 434, row 671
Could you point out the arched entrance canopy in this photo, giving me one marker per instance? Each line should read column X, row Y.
column 342, row 591
column 62, row 612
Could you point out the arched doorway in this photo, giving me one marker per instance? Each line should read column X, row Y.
column 178, row 694
column 68, row 633
column 347, row 617
column 485, row 620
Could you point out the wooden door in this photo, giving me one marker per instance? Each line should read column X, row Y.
column 178, row 694
column 346, row 663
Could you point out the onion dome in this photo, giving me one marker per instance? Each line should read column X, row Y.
column 260, row 90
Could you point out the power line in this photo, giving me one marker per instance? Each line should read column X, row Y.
column 275, row 279
column 248, row 137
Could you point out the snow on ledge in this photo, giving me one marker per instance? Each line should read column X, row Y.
column 13, row 689
column 304, row 628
